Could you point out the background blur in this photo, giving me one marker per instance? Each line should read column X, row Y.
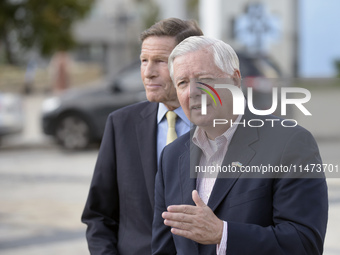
column 50, row 48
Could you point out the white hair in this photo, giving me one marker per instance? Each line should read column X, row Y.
column 225, row 57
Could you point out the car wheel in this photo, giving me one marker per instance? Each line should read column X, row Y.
column 73, row 132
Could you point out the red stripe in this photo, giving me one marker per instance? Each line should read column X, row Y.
column 218, row 96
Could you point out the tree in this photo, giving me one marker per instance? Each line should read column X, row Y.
column 45, row 25
column 7, row 23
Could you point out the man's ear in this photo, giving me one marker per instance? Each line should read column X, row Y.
column 237, row 78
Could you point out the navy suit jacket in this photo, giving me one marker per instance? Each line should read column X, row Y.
column 119, row 208
column 265, row 216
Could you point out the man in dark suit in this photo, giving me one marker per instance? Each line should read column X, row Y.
column 119, row 208
column 236, row 211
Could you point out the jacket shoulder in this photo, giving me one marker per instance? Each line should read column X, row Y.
column 143, row 109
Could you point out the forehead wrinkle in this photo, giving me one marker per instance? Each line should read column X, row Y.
column 195, row 75
column 202, row 73
column 158, row 55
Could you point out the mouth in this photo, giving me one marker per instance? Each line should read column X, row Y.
column 152, row 85
column 196, row 107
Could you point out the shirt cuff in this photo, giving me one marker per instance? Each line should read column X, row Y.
column 221, row 249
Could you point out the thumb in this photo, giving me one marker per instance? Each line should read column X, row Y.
column 196, row 198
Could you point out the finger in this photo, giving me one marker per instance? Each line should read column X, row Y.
column 178, row 225
column 178, row 217
column 180, row 232
column 187, row 209
column 196, row 198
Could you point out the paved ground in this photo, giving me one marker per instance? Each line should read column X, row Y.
column 43, row 190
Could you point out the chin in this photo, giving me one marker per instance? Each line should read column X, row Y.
column 202, row 121
column 153, row 98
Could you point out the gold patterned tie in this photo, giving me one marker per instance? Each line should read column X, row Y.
column 171, row 118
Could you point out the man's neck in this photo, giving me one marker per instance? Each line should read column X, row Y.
column 213, row 132
column 172, row 105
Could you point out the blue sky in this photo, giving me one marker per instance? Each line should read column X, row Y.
column 319, row 37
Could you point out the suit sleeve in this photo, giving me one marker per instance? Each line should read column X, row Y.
column 101, row 213
column 300, row 209
column 162, row 241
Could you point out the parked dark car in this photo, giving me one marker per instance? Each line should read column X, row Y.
column 77, row 118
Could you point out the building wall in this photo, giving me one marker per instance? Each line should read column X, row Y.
column 115, row 25
column 113, row 29
column 282, row 50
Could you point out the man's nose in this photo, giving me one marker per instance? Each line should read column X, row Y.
column 194, row 90
column 150, row 70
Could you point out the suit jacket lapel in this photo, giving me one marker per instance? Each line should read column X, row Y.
column 186, row 162
column 146, row 131
column 186, row 165
column 239, row 150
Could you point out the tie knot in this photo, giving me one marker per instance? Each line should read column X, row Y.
column 171, row 118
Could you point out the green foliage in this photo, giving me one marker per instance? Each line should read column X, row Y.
column 7, row 24
column 43, row 24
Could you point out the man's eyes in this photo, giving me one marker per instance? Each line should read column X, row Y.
column 160, row 60
column 181, row 83
column 155, row 60
column 207, row 81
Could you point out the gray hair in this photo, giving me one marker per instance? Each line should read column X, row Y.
column 225, row 57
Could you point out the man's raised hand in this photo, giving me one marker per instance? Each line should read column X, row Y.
column 198, row 223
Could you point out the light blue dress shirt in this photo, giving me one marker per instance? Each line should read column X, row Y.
column 182, row 126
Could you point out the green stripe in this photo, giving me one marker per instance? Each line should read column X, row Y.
column 208, row 93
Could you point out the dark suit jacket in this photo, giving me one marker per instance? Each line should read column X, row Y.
column 119, row 208
column 265, row 216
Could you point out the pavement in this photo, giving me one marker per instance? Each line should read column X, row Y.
column 43, row 189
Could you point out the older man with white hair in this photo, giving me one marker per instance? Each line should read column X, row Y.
column 233, row 212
